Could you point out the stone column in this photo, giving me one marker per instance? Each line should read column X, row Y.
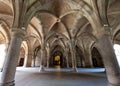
column 28, row 60
column 41, row 60
column 88, row 59
column 8, row 74
column 67, row 62
column 48, row 56
column 67, row 58
column 47, row 62
column 109, row 59
column 72, row 46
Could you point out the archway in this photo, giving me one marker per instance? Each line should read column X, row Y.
column 96, row 58
column 57, row 59
column 21, row 57
column 80, row 58
column 36, row 56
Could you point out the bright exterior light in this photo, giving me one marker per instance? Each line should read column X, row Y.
column 117, row 52
column 2, row 54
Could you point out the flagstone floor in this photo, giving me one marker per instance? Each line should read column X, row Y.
column 60, row 77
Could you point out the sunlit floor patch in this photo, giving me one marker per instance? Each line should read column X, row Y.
column 58, row 69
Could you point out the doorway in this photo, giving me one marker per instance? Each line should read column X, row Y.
column 57, row 61
column 96, row 58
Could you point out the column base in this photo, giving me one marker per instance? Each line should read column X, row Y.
column 88, row 66
column 114, row 80
column 68, row 66
column 113, row 84
column 42, row 68
column 47, row 66
column 8, row 84
column 74, row 69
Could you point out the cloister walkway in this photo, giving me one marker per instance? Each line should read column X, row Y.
column 60, row 77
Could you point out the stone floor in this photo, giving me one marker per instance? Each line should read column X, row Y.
column 60, row 77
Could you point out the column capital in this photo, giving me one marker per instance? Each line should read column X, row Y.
column 71, row 42
column 18, row 32
column 105, row 31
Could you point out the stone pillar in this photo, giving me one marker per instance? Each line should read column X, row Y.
column 48, row 56
column 47, row 62
column 72, row 46
column 109, row 59
column 67, row 58
column 28, row 60
column 41, row 60
column 67, row 62
column 8, row 74
column 88, row 59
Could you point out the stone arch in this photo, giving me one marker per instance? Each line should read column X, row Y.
column 6, row 8
column 5, row 30
column 33, row 41
column 57, row 36
column 80, row 57
column 25, row 46
column 21, row 57
column 85, row 8
column 57, row 50
column 36, row 57
column 38, row 33
column 96, row 58
column 86, row 40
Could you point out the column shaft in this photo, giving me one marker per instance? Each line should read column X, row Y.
column 67, row 59
column 72, row 46
column 88, row 59
column 41, row 60
column 48, row 55
column 109, row 59
column 8, row 74
column 28, row 60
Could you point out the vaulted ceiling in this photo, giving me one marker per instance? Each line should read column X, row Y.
column 61, row 20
